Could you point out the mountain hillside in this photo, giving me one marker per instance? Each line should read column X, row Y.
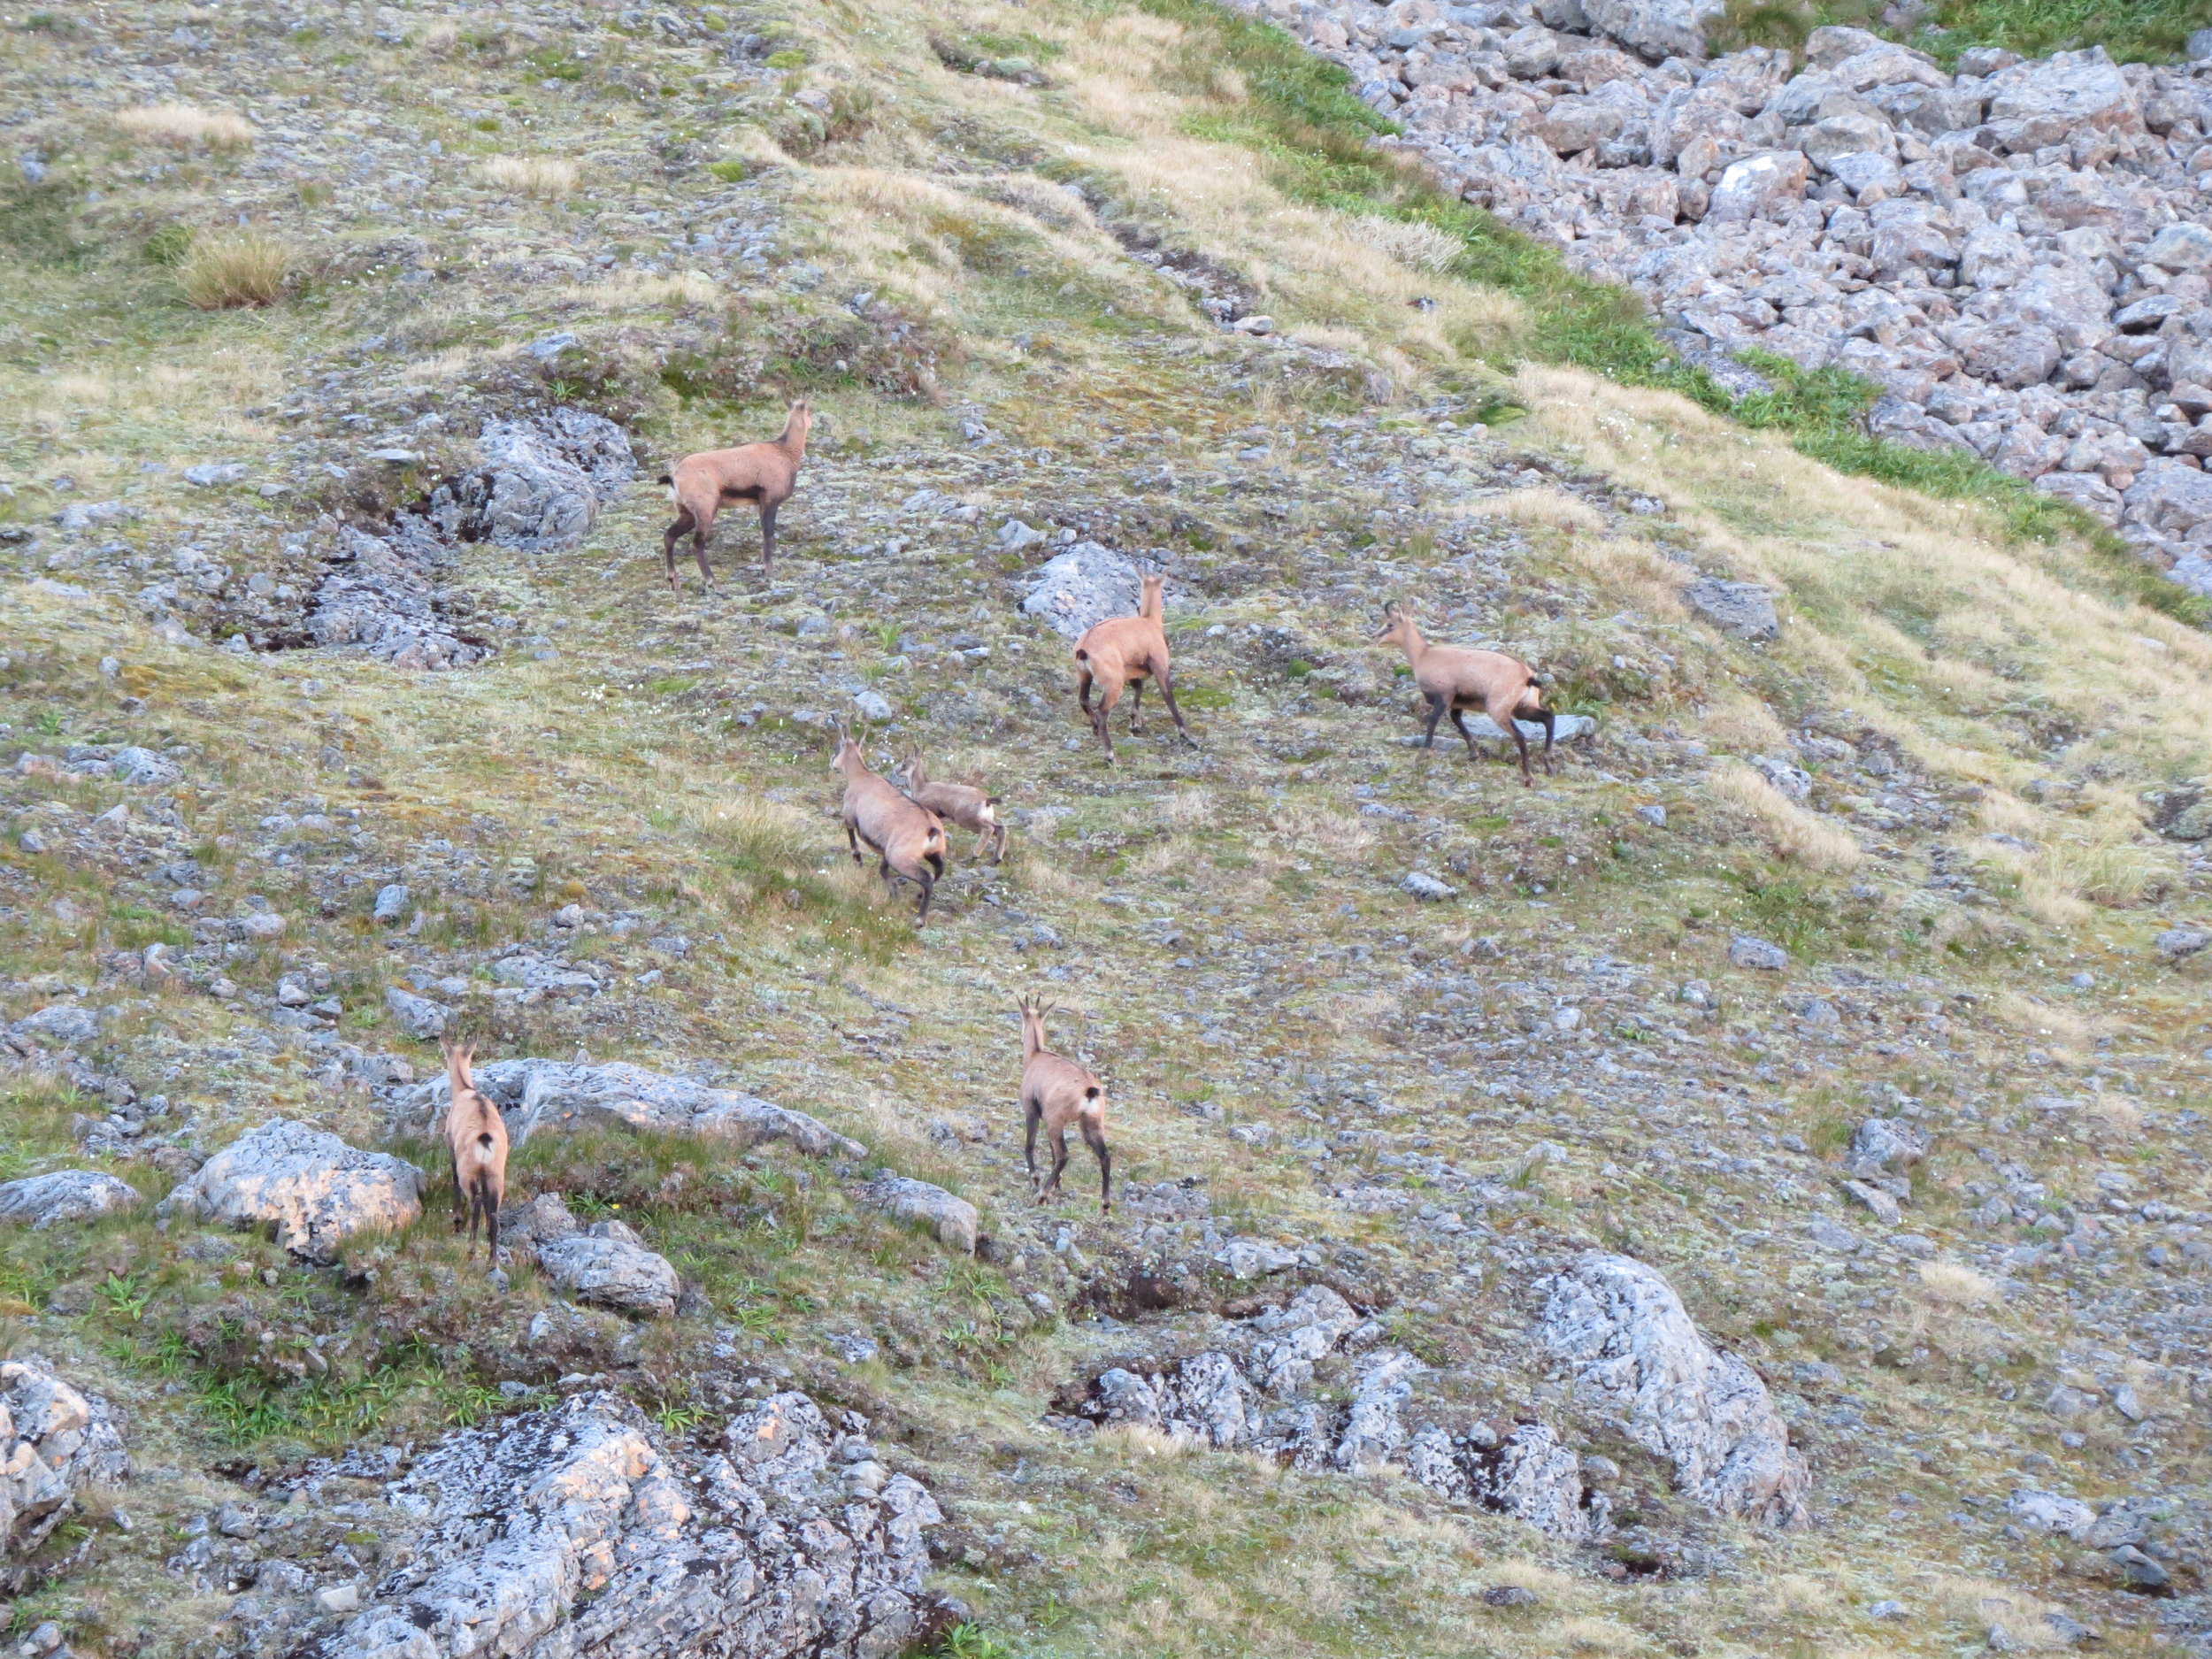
column 1742, row 1193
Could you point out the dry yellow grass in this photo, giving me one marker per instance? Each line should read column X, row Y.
column 1422, row 247
column 1544, row 508
column 1800, row 836
column 236, row 269
column 546, row 178
column 185, row 127
column 1955, row 1285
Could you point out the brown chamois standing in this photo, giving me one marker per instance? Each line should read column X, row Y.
column 1055, row 1093
column 957, row 803
column 1121, row 651
column 1452, row 679
column 908, row 840
column 764, row 474
column 476, row 1136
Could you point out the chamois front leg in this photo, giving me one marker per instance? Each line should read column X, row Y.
column 671, row 535
column 1167, row 690
column 768, row 536
column 1032, row 1113
column 1436, row 705
column 852, row 840
column 460, row 1192
column 1095, row 1135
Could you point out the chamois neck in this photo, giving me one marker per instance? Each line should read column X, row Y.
column 1032, row 1039
column 793, row 437
column 1410, row 642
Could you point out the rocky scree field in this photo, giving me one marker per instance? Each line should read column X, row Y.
column 1742, row 1195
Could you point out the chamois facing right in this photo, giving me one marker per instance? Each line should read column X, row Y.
column 1121, row 651
column 959, row 803
column 907, row 840
column 1056, row 1091
column 1452, row 678
column 476, row 1138
column 763, row 474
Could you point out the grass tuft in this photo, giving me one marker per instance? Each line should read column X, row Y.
column 185, row 127
column 548, row 177
column 243, row 269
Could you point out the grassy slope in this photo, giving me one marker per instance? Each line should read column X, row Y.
column 1983, row 657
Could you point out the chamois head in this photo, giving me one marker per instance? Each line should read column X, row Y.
column 852, row 756
column 797, row 425
column 1397, row 625
column 915, row 773
column 458, row 1056
column 1149, row 603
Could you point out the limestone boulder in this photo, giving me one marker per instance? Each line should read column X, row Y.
column 59, row 1195
column 55, row 1440
column 307, row 1187
column 609, row 1265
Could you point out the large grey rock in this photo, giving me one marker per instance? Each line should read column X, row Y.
column 54, row 1442
column 1658, row 28
column 1374, row 1427
column 382, row 593
column 953, row 1219
column 1758, row 187
column 2052, row 1512
column 1204, row 1398
column 1311, row 1325
column 558, row 1096
column 609, row 1266
column 541, row 483
column 1743, row 609
column 1746, row 950
column 142, row 767
column 2170, row 498
column 311, row 1188
column 581, row 1532
column 1084, row 585
column 64, row 1196
column 1884, row 1145
column 1632, row 1352
column 1528, row 1475
column 2084, row 88
column 417, row 1016
column 66, row 1024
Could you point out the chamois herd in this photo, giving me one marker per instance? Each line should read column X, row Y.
column 902, row 818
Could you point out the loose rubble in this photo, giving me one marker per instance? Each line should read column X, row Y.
column 581, row 1531
column 2020, row 254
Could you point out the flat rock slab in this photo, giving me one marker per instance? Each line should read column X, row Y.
column 311, row 1187
column 64, row 1196
column 580, row 1532
column 554, row 1095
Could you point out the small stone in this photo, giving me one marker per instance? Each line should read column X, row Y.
column 339, row 1598
column 870, row 706
column 1746, row 950
column 1743, row 609
column 1509, row 1595
column 1425, row 887
column 1883, row 1207
column 391, row 902
column 2176, row 943
column 1652, row 814
column 1886, row 1611
column 417, row 1016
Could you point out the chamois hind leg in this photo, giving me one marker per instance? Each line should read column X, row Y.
column 699, row 552
column 929, row 888
column 1167, row 690
column 460, row 1192
column 1032, row 1113
column 1059, row 1162
column 1512, row 728
column 1550, row 721
column 1094, row 1137
column 1460, row 720
column 1108, row 695
column 1136, row 699
column 852, row 840
column 491, row 1197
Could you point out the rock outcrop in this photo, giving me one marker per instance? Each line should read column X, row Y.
column 54, row 1440
column 535, row 1095
column 1632, row 1351
column 609, row 1265
column 1082, row 585
column 579, row 1532
column 953, row 1219
column 311, row 1188
column 2018, row 255
column 539, row 485
column 64, row 1196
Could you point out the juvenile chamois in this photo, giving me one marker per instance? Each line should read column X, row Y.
column 1055, row 1093
column 1121, row 651
column 1452, row 679
column 476, row 1136
column 908, row 840
column 764, row 474
column 957, row 803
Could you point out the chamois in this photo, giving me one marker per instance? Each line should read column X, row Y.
column 1055, row 1092
column 476, row 1136
column 957, row 803
column 1122, row 650
column 764, row 474
column 908, row 840
column 1452, row 678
